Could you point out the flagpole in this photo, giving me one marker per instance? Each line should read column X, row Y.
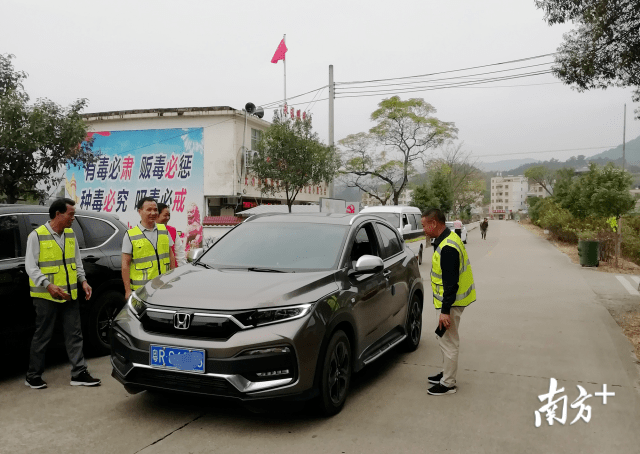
column 285, row 69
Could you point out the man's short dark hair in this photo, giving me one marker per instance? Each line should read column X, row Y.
column 435, row 213
column 144, row 199
column 162, row 206
column 60, row 206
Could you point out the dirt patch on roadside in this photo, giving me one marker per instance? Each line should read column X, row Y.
column 629, row 321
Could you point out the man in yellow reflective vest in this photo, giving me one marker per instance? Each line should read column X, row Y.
column 146, row 248
column 54, row 266
column 453, row 289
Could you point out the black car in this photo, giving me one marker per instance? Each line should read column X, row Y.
column 100, row 240
column 280, row 307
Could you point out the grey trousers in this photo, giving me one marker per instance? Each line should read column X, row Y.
column 450, row 346
column 46, row 311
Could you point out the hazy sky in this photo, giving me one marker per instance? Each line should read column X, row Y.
column 142, row 54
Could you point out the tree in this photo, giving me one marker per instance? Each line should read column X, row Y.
column 604, row 49
column 434, row 194
column 404, row 131
column 542, row 175
column 291, row 157
column 36, row 140
column 466, row 181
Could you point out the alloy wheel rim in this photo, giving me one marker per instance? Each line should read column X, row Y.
column 338, row 373
column 415, row 322
column 105, row 319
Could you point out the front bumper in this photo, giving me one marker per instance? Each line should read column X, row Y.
column 228, row 373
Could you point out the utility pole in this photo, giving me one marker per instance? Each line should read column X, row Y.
column 624, row 140
column 332, row 95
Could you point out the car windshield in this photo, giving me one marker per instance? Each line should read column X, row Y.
column 391, row 218
column 278, row 245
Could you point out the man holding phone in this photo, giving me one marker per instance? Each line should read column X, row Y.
column 453, row 290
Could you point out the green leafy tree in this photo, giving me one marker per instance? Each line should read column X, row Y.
column 291, row 157
column 404, row 132
column 436, row 193
column 604, row 48
column 36, row 140
column 543, row 176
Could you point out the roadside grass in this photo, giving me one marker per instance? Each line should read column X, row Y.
column 628, row 321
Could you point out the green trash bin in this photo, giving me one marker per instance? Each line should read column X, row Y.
column 589, row 251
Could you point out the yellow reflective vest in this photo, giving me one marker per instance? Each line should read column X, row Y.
column 148, row 262
column 59, row 266
column 466, row 287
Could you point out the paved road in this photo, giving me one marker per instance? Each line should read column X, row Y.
column 538, row 316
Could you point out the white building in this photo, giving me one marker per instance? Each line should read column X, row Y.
column 213, row 136
column 536, row 190
column 508, row 195
column 404, row 199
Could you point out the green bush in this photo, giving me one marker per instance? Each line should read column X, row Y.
column 631, row 238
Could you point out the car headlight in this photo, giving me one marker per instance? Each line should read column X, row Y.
column 263, row 317
column 136, row 305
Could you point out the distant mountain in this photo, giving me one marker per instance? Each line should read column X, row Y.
column 503, row 166
column 632, row 152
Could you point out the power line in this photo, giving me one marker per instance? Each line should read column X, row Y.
column 439, row 87
column 446, row 72
column 275, row 103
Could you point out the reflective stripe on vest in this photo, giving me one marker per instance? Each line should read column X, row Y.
column 57, row 265
column 148, row 262
column 466, row 287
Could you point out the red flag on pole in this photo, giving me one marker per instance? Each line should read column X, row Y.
column 280, row 51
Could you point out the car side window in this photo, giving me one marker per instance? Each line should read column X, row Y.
column 364, row 244
column 10, row 247
column 96, row 231
column 38, row 219
column 391, row 244
column 412, row 220
column 405, row 221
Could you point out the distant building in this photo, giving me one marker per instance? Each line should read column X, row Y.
column 508, row 195
column 404, row 199
column 536, row 190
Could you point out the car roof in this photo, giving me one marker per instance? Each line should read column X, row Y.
column 7, row 208
column 390, row 209
column 311, row 218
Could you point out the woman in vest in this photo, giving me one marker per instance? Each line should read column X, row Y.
column 146, row 248
column 453, row 290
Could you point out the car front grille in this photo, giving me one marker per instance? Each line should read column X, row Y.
column 178, row 381
column 202, row 324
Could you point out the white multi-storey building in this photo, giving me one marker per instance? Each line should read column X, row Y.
column 536, row 190
column 508, row 195
column 404, row 199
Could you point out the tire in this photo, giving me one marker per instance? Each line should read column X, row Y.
column 420, row 256
column 335, row 374
column 104, row 310
column 414, row 326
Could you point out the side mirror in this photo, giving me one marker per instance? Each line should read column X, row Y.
column 368, row 264
column 407, row 228
column 194, row 254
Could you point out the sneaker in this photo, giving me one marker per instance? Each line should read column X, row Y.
column 35, row 383
column 441, row 390
column 435, row 379
column 84, row 379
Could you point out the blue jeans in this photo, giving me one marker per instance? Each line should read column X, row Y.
column 46, row 312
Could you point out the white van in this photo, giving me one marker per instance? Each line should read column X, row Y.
column 405, row 218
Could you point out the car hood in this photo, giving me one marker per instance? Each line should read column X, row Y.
column 196, row 287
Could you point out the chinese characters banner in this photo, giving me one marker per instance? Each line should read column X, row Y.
column 166, row 164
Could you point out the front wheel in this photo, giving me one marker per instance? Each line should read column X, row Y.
column 336, row 374
column 100, row 320
column 420, row 256
column 414, row 326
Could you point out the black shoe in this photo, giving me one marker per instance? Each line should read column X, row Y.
column 84, row 379
column 435, row 379
column 35, row 383
column 441, row 390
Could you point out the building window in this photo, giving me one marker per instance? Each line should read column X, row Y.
column 256, row 136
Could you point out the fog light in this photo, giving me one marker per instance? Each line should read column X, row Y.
column 265, row 351
column 273, row 373
column 120, row 336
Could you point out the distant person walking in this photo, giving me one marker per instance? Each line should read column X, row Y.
column 146, row 248
column 457, row 227
column 453, row 289
column 54, row 266
column 484, row 225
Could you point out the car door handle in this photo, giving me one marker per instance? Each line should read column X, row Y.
column 91, row 258
column 386, row 273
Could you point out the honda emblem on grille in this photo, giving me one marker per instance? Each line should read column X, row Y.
column 181, row 320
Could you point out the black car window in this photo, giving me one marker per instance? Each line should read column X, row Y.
column 412, row 220
column 38, row 219
column 96, row 231
column 364, row 243
column 9, row 237
column 279, row 245
column 391, row 244
column 405, row 221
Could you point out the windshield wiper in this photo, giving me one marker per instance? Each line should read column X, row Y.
column 202, row 264
column 265, row 270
